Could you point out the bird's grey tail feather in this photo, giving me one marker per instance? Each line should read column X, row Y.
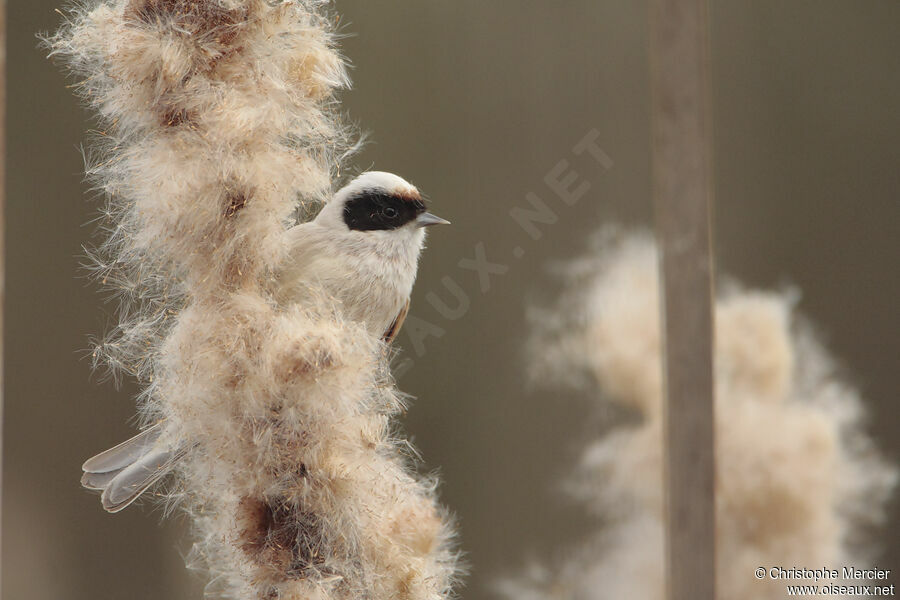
column 125, row 454
column 98, row 481
column 125, row 471
column 129, row 483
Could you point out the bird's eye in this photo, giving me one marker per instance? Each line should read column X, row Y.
column 389, row 211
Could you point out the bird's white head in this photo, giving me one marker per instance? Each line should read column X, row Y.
column 377, row 203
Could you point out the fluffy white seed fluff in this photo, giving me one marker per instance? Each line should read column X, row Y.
column 798, row 480
column 217, row 122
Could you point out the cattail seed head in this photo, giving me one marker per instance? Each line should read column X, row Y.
column 219, row 121
column 799, row 483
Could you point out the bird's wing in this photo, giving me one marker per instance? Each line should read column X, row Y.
column 125, row 454
column 394, row 329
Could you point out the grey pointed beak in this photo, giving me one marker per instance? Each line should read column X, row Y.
column 428, row 219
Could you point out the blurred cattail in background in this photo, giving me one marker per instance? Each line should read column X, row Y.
column 217, row 122
column 799, row 483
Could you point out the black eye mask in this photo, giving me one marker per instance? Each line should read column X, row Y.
column 372, row 210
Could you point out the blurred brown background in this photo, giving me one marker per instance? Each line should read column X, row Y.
column 475, row 102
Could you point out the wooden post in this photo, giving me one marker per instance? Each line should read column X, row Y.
column 2, row 221
column 682, row 177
